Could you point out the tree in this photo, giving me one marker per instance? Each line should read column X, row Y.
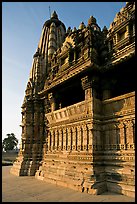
column 10, row 142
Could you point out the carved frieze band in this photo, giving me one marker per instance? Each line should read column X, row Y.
column 120, row 135
column 71, row 138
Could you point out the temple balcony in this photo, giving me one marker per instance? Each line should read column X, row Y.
column 126, row 51
column 119, row 106
column 73, row 112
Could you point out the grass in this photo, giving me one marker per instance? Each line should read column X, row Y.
column 8, row 158
column 6, row 163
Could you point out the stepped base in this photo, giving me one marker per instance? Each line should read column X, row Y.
column 24, row 167
column 73, row 171
column 119, row 188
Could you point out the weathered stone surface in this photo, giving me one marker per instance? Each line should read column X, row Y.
column 78, row 114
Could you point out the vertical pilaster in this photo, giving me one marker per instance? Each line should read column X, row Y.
column 52, row 140
column 69, row 138
column 60, row 140
column 88, row 88
column 85, row 137
column 56, row 138
column 51, row 99
column 90, row 132
column 127, row 31
column 64, row 139
column 74, row 135
column 49, row 141
column 133, row 121
column 79, row 138
column 129, row 131
column 122, row 133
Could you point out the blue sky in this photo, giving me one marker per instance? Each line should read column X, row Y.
column 21, row 29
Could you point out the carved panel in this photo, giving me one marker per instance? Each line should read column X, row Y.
column 71, row 112
column 120, row 105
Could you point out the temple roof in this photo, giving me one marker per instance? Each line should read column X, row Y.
column 54, row 18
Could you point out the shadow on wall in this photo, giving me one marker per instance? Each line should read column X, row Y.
column 113, row 146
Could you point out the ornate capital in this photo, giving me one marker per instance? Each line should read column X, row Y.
column 86, row 83
column 84, row 127
column 78, row 128
column 90, row 126
column 128, row 123
column 121, row 125
column 50, row 96
column 73, row 129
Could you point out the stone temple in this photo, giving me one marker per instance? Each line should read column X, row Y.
column 78, row 113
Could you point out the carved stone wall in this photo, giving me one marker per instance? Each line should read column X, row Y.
column 119, row 143
column 87, row 144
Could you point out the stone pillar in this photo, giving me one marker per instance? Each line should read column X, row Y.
column 56, row 138
column 74, row 135
column 85, row 137
column 60, row 140
column 121, row 127
column 122, row 133
column 52, row 140
column 49, row 141
column 90, row 132
column 86, row 85
column 133, row 121
column 69, row 138
column 79, row 138
column 64, row 139
column 116, row 38
column 52, row 101
column 129, row 132
column 127, row 31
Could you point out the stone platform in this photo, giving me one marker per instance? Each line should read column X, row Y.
column 29, row 189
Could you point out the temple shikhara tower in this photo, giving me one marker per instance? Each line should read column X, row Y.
column 78, row 113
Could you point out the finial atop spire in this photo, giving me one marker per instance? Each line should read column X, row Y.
column 54, row 15
column 91, row 20
column 81, row 26
column 49, row 12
